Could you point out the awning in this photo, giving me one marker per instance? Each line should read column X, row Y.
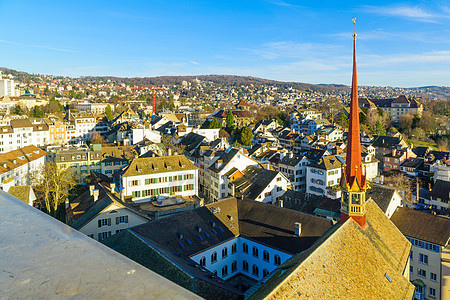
column 418, row 282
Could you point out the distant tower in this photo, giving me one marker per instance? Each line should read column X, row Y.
column 353, row 180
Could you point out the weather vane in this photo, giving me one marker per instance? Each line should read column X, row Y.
column 354, row 28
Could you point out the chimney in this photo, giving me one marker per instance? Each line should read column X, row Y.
column 95, row 194
column 91, row 189
column 112, row 185
column 169, row 152
column 298, row 228
column 417, row 190
column 281, row 202
column 219, row 162
column 122, row 194
column 202, row 201
column 429, row 186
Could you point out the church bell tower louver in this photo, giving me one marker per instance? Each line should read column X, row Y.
column 353, row 181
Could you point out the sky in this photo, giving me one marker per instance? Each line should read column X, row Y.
column 402, row 44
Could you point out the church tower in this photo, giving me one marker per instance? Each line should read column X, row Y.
column 353, row 180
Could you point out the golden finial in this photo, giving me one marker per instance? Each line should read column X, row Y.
column 354, row 28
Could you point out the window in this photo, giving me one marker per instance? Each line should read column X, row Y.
column 279, row 178
column 104, row 235
column 234, row 266
column 213, row 257
column 265, row 272
column 121, row 219
column 224, row 252
column 245, row 265
column 203, row 261
column 277, row 260
column 433, row 276
column 421, row 273
column 411, row 255
column 432, row 292
column 265, row 255
column 104, row 222
column 255, row 270
column 411, row 269
column 134, row 182
column 233, row 248
column 224, row 271
column 245, row 247
column 255, row 251
column 423, row 258
column 136, row 194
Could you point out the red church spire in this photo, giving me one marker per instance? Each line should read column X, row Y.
column 353, row 179
column 353, row 168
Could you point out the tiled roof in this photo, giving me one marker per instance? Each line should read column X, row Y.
column 441, row 189
column 253, row 181
column 328, row 162
column 21, row 192
column 21, row 123
column 155, row 165
column 421, row 225
column 16, row 158
column 346, row 262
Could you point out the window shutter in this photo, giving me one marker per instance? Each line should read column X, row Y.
column 99, row 236
column 117, row 220
column 99, row 223
column 109, row 221
column 126, row 219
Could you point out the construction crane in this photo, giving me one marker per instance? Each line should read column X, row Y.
column 153, row 88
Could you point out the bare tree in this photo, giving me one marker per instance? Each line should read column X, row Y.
column 53, row 184
column 97, row 138
column 400, row 182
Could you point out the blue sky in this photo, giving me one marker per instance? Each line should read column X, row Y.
column 402, row 44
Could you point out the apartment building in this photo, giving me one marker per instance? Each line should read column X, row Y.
column 430, row 253
column 82, row 160
column 17, row 165
column 294, row 168
column 21, row 133
column 149, row 177
column 394, row 107
column 215, row 179
column 323, row 176
column 81, row 128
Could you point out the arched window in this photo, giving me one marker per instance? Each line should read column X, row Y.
column 265, row 272
column 277, row 260
column 245, row 265
column 233, row 248
column 224, row 252
column 234, row 266
column 255, row 270
column 203, row 261
column 245, row 247
column 214, row 257
column 224, row 271
column 266, row 255
column 255, row 251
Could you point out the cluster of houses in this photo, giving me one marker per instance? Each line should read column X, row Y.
column 229, row 221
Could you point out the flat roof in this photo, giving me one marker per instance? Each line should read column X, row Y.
column 44, row 258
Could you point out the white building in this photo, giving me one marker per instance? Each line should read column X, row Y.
column 83, row 127
column 7, row 87
column 209, row 134
column 141, row 133
column 17, row 165
column 99, row 213
column 323, row 177
column 215, row 179
column 150, row 177
column 257, row 184
column 294, row 168
column 21, row 133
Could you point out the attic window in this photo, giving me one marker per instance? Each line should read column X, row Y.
column 200, row 237
column 213, row 224
column 387, row 277
column 36, row 151
column 188, row 241
column 221, row 229
column 181, row 244
column 21, row 157
column 180, row 236
column 207, row 234
column 199, row 229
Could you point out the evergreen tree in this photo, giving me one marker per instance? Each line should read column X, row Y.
column 108, row 112
column 17, row 110
column 37, row 112
column 215, row 125
column 205, row 125
column 246, row 136
column 229, row 121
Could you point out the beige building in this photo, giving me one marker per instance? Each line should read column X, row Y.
column 429, row 267
column 394, row 107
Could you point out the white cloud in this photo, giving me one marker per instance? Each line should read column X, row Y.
column 404, row 11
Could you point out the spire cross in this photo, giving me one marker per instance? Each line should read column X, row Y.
column 354, row 28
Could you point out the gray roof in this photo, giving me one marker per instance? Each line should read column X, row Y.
column 421, row 225
column 441, row 189
column 226, row 157
column 254, row 181
column 35, row 246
